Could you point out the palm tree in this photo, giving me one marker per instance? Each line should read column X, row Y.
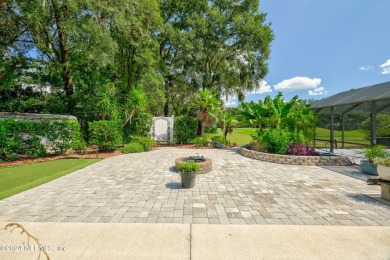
column 230, row 123
column 135, row 101
column 209, row 106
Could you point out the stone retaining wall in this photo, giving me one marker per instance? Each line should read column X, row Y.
column 295, row 160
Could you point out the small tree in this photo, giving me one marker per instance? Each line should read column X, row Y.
column 209, row 106
column 230, row 123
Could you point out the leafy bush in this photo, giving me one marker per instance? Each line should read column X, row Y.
column 79, row 146
column 133, row 148
column 188, row 167
column 200, row 141
column 217, row 139
column 186, row 128
column 300, row 149
column 211, row 130
column 107, row 135
column 26, row 138
column 276, row 140
column 63, row 134
column 141, row 125
column 146, row 142
column 373, row 152
column 298, row 137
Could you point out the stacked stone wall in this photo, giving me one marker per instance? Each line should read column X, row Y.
column 295, row 160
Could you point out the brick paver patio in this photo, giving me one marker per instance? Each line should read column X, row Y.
column 144, row 187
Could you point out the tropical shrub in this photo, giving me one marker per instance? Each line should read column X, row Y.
column 300, row 149
column 186, row 128
column 133, row 148
column 200, row 141
column 140, row 125
column 373, row 152
column 188, row 167
column 107, row 135
column 278, row 113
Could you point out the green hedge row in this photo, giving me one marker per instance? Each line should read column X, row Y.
column 25, row 138
column 185, row 129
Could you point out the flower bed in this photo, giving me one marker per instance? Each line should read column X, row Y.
column 295, row 160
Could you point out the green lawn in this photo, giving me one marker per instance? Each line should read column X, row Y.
column 354, row 136
column 242, row 136
column 15, row 179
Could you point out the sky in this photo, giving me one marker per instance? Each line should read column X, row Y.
column 323, row 47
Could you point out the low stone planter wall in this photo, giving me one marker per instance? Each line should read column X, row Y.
column 205, row 166
column 295, row 160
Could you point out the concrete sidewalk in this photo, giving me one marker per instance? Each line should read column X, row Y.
column 195, row 241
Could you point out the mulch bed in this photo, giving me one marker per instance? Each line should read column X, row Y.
column 90, row 154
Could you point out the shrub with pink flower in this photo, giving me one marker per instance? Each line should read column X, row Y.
column 300, row 149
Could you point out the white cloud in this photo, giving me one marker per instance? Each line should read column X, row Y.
column 385, row 67
column 367, row 68
column 263, row 87
column 298, row 83
column 317, row 91
column 231, row 103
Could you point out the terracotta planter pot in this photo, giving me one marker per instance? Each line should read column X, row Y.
column 384, row 172
column 187, row 179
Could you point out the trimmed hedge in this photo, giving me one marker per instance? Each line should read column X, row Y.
column 107, row 135
column 25, row 138
column 133, row 148
column 186, row 128
column 140, row 125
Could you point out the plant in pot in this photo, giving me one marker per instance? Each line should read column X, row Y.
column 383, row 165
column 368, row 166
column 188, row 171
column 218, row 141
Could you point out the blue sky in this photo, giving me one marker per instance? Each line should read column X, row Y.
column 323, row 47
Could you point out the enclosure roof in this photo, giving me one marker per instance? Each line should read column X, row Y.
column 354, row 96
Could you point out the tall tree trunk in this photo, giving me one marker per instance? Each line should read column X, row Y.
column 168, row 85
column 166, row 105
column 67, row 75
column 202, row 129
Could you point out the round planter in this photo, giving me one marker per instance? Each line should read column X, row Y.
column 219, row 145
column 368, row 168
column 187, row 179
column 384, row 172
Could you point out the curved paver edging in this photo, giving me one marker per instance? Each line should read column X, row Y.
column 205, row 166
column 294, row 159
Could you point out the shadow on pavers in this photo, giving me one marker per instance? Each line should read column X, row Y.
column 373, row 199
column 173, row 169
column 174, row 185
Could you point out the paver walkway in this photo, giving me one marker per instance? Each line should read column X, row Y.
column 144, row 187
